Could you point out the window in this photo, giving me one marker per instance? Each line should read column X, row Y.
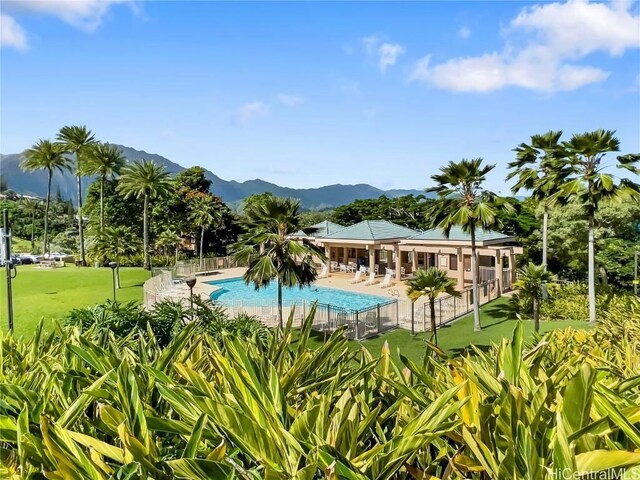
column 467, row 263
column 453, row 262
column 383, row 255
column 443, row 261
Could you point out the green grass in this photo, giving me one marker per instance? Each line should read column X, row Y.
column 455, row 337
column 49, row 294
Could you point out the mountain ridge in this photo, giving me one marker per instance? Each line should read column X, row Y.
column 231, row 191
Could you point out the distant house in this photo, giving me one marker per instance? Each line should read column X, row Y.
column 384, row 245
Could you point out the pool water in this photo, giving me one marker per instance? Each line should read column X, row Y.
column 234, row 291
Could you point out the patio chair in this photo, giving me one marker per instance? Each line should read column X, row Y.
column 386, row 282
column 324, row 272
column 372, row 279
column 376, row 268
column 356, row 278
column 403, row 272
column 343, row 268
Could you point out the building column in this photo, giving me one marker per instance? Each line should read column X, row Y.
column 327, row 253
column 398, row 262
column 345, row 256
column 414, row 261
column 460, row 272
column 512, row 266
column 372, row 257
column 498, row 268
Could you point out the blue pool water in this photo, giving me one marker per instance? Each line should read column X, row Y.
column 234, row 290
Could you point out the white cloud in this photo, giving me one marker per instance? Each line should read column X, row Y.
column 464, row 32
column 386, row 53
column 290, row 100
column 11, row 34
column 250, row 111
column 86, row 15
column 543, row 44
column 389, row 53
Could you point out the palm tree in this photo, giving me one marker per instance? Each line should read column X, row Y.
column 106, row 161
column 531, row 281
column 144, row 179
column 45, row 155
column 31, row 208
column 78, row 140
column 431, row 282
column 269, row 250
column 115, row 243
column 204, row 213
column 588, row 185
column 463, row 202
column 534, row 166
column 168, row 240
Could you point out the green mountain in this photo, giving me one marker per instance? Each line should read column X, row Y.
column 231, row 191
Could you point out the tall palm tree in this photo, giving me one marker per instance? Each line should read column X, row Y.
column 269, row 250
column 431, row 283
column 588, row 185
column 204, row 213
column 106, row 161
column 536, row 171
column 78, row 140
column 168, row 240
column 45, row 155
column 463, row 202
column 31, row 208
column 113, row 243
column 530, row 285
column 148, row 180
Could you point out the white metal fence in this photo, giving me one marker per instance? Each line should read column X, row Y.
column 184, row 268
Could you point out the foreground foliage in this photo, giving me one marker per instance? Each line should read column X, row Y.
column 93, row 405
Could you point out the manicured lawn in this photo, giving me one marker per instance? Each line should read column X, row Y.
column 51, row 293
column 455, row 337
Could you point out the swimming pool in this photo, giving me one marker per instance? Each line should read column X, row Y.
column 234, row 291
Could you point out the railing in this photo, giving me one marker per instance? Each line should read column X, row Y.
column 184, row 268
column 159, row 287
column 447, row 308
column 486, row 274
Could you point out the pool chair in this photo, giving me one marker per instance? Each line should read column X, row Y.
column 386, row 282
column 372, row 278
column 324, row 272
column 356, row 278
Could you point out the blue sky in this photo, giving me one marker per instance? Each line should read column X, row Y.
column 308, row 94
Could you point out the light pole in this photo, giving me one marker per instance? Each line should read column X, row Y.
column 113, row 266
column 191, row 282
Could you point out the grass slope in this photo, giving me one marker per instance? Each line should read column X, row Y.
column 50, row 294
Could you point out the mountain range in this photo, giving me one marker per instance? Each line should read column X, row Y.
column 232, row 192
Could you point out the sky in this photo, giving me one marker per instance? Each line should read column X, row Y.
column 307, row 94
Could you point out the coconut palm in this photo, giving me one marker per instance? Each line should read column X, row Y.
column 536, row 171
column 78, row 140
column 45, row 155
column 588, row 185
column 531, row 283
column 431, row 283
column 106, row 161
column 168, row 240
column 463, row 202
column 204, row 213
column 269, row 250
column 147, row 180
column 113, row 243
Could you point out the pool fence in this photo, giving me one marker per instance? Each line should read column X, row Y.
column 360, row 324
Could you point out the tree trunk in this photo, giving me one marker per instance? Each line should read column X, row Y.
column 201, row 248
column 536, row 315
column 83, row 256
column 434, row 328
column 177, row 249
column 33, row 224
column 280, row 303
column 45, row 247
column 145, row 232
column 545, row 226
column 101, row 203
column 474, row 286
column 592, row 274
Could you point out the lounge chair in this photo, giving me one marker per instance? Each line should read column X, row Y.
column 324, row 272
column 372, row 279
column 386, row 282
column 356, row 278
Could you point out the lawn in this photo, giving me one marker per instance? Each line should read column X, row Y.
column 455, row 337
column 51, row 293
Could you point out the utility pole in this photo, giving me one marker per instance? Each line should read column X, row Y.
column 6, row 257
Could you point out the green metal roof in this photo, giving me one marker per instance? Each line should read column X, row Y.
column 459, row 235
column 372, row 230
column 322, row 229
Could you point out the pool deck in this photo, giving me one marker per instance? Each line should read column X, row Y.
column 336, row 280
